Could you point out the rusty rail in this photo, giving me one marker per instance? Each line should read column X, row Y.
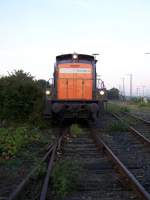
column 56, row 147
column 51, row 152
column 122, row 168
column 134, row 131
column 136, row 117
column 15, row 194
column 46, row 180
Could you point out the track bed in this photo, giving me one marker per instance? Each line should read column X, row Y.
column 97, row 178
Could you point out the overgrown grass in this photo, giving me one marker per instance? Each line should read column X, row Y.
column 143, row 104
column 124, row 109
column 64, row 177
column 112, row 108
column 117, row 108
column 75, row 130
column 12, row 140
column 117, row 126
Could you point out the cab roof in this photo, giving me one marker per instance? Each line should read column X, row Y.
column 70, row 56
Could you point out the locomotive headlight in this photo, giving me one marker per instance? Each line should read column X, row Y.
column 75, row 56
column 102, row 92
column 47, row 92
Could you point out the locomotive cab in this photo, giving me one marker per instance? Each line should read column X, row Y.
column 75, row 92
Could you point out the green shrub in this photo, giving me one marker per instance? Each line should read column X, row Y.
column 75, row 130
column 13, row 139
column 20, row 96
column 64, row 177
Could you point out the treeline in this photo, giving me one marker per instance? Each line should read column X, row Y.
column 21, row 97
column 113, row 94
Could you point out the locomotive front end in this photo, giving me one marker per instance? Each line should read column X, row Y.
column 74, row 89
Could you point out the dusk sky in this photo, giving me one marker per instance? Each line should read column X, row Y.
column 33, row 32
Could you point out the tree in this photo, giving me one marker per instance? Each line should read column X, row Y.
column 43, row 83
column 113, row 93
column 19, row 93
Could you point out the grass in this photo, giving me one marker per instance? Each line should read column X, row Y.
column 75, row 130
column 64, row 177
column 124, row 109
column 117, row 108
column 143, row 104
column 21, row 148
column 140, row 102
column 137, row 104
column 13, row 141
column 117, row 126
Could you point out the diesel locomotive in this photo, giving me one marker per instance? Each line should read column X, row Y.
column 75, row 91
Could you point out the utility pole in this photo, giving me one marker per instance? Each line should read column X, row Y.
column 148, row 53
column 140, row 92
column 130, row 85
column 131, row 77
column 123, row 88
column 143, row 89
column 137, row 92
column 119, row 89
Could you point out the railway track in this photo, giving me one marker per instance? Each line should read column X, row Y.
column 140, row 127
column 141, row 114
column 97, row 178
column 132, row 151
column 34, row 185
column 102, row 175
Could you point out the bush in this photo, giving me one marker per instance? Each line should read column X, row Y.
column 20, row 96
column 75, row 130
column 113, row 93
column 13, row 139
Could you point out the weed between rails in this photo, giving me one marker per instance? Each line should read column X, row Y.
column 75, row 130
column 64, row 177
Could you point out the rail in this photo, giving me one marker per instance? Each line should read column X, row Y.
column 139, row 118
column 135, row 184
column 51, row 152
column 134, row 131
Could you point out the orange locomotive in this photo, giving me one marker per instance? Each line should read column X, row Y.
column 76, row 92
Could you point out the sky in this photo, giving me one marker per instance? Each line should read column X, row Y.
column 34, row 32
